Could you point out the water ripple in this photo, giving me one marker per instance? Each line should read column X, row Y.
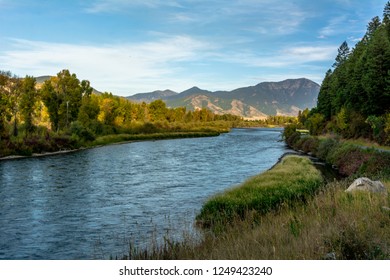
column 88, row 204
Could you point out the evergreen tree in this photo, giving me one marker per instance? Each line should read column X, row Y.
column 324, row 102
column 376, row 76
column 372, row 26
column 343, row 53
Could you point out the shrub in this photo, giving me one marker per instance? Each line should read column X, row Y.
column 378, row 164
column 82, row 132
column 293, row 139
column 310, row 145
column 325, row 147
column 351, row 160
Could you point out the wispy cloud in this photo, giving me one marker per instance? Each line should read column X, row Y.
column 106, row 6
column 116, row 67
column 274, row 17
column 334, row 26
column 291, row 56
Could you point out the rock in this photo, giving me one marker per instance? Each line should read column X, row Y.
column 330, row 256
column 365, row 184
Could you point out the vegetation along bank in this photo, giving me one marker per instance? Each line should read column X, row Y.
column 290, row 212
column 64, row 113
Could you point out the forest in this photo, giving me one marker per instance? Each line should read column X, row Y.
column 63, row 113
column 354, row 98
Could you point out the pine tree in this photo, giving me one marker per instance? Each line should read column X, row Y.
column 324, row 102
column 342, row 56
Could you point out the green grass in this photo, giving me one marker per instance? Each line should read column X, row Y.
column 294, row 179
column 332, row 223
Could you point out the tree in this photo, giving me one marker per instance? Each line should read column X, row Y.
column 342, row 56
column 52, row 102
column 4, row 100
column 89, row 110
column 62, row 96
column 386, row 16
column 108, row 106
column 315, row 124
column 376, row 77
column 386, row 11
column 158, row 110
column 324, row 101
column 372, row 26
column 70, row 93
column 27, row 102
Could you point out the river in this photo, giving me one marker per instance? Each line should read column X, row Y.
column 92, row 203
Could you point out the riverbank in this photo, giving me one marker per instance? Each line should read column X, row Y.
column 324, row 222
column 117, row 139
column 348, row 157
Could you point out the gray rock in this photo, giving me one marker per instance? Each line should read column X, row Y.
column 330, row 256
column 365, row 184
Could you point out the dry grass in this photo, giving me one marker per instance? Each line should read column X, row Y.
column 333, row 225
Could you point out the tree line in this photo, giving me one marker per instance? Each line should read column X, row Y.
column 354, row 98
column 65, row 108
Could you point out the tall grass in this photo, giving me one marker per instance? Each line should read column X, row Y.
column 332, row 225
column 294, row 179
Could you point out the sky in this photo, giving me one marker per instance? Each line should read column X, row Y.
column 134, row 46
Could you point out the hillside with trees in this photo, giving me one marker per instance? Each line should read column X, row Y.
column 63, row 113
column 354, row 98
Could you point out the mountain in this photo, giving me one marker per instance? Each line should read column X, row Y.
column 254, row 102
column 152, row 96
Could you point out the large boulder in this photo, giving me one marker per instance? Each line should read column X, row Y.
column 365, row 184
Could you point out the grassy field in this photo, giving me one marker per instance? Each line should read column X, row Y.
column 327, row 224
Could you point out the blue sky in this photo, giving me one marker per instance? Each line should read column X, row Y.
column 131, row 46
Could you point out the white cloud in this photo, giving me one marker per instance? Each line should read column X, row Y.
column 113, row 68
column 104, row 6
column 290, row 56
column 334, row 26
column 175, row 62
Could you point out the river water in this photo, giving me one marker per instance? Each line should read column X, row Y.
column 91, row 204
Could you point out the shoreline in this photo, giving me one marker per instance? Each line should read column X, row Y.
column 155, row 137
column 46, row 154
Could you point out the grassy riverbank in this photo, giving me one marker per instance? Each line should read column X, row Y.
column 351, row 158
column 303, row 218
column 293, row 180
column 48, row 144
column 120, row 138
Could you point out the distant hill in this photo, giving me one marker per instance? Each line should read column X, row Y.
column 152, row 96
column 254, row 102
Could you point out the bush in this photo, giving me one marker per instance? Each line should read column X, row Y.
column 82, row 132
column 378, row 164
column 351, row 160
column 310, row 145
column 293, row 139
column 325, row 147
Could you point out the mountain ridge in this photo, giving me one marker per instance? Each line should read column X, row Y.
column 286, row 98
